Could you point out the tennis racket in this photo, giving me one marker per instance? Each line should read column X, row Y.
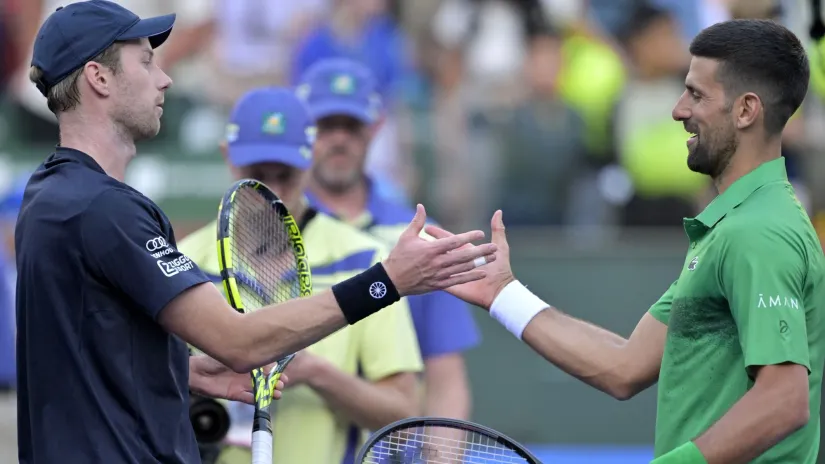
column 263, row 262
column 422, row 440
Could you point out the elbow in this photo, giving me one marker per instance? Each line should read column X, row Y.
column 800, row 414
column 623, row 392
column 240, row 365
column 625, row 387
column 236, row 360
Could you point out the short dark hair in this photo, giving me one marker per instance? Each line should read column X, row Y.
column 759, row 56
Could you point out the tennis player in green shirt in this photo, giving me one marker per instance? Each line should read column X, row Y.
column 737, row 343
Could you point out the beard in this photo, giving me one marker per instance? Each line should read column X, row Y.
column 711, row 153
column 336, row 180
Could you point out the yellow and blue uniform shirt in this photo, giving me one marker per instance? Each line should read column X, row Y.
column 443, row 323
column 305, row 429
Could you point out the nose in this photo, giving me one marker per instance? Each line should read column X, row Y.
column 681, row 111
column 165, row 81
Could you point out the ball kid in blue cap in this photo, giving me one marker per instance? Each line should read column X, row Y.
column 269, row 138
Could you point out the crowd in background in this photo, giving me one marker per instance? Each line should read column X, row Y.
column 556, row 111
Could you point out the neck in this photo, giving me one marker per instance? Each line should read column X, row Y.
column 107, row 145
column 348, row 204
column 748, row 156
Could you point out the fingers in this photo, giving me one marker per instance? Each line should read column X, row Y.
column 497, row 227
column 469, row 254
column 446, row 244
column 417, row 223
column 437, row 232
column 463, row 267
column 463, row 278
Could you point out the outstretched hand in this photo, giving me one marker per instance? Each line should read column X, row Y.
column 419, row 266
column 482, row 292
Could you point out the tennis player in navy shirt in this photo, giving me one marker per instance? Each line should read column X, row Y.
column 106, row 304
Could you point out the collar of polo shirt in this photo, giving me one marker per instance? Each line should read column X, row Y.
column 738, row 192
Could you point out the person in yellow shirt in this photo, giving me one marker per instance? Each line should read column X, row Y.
column 361, row 377
column 342, row 98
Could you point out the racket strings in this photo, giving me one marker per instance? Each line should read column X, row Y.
column 264, row 264
column 440, row 445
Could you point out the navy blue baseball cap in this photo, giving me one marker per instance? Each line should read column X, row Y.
column 73, row 35
column 340, row 86
column 270, row 125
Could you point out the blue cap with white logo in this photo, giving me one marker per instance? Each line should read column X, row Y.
column 270, row 125
column 340, row 86
column 73, row 35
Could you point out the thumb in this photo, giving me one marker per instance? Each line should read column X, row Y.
column 417, row 223
column 497, row 227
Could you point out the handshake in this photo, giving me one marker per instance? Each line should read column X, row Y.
column 450, row 262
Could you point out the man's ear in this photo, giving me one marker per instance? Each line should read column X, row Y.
column 98, row 77
column 224, row 148
column 376, row 126
column 748, row 110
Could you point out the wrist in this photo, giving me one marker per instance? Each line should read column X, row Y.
column 515, row 306
column 365, row 294
column 687, row 453
column 317, row 373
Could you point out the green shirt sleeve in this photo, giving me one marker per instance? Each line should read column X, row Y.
column 763, row 278
column 661, row 309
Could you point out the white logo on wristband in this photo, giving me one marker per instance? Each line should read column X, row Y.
column 378, row 290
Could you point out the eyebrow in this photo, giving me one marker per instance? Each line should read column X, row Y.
column 692, row 88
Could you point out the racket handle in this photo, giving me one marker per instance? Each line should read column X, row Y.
column 261, row 447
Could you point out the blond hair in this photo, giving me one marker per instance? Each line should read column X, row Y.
column 65, row 95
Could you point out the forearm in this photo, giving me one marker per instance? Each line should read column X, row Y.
column 270, row 333
column 446, row 386
column 757, row 422
column 367, row 404
column 588, row 352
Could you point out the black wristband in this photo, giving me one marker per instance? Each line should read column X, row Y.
column 365, row 293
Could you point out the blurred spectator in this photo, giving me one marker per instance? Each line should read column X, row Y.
column 7, row 49
column 543, row 144
column 250, row 44
column 365, row 31
column 9, row 206
column 484, row 45
column 651, row 145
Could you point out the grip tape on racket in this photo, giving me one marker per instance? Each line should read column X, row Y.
column 261, row 447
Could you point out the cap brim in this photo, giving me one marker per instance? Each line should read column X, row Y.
column 327, row 108
column 155, row 29
column 245, row 155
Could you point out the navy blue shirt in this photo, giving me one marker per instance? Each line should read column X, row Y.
column 99, row 380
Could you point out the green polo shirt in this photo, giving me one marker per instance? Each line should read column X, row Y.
column 751, row 293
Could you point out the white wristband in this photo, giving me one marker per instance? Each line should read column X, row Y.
column 515, row 307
